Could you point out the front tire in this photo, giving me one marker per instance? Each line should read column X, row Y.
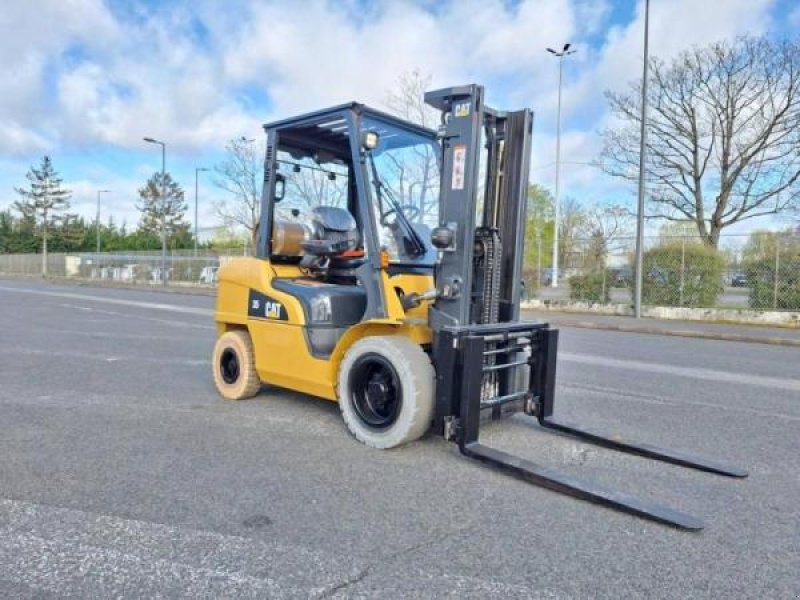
column 386, row 391
column 234, row 366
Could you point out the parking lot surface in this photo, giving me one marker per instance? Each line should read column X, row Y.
column 124, row 474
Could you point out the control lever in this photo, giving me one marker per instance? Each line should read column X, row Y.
column 413, row 299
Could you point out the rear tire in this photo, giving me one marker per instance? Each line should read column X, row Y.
column 234, row 366
column 386, row 391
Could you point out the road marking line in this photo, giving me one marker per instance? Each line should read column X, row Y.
column 174, row 336
column 206, row 312
column 782, row 383
column 615, row 394
column 115, row 314
column 103, row 358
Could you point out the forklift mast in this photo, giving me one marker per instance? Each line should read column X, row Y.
column 485, row 164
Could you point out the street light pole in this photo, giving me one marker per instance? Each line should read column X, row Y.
column 97, row 252
column 163, row 207
column 637, row 295
column 249, row 141
column 560, row 55
column 196, row 172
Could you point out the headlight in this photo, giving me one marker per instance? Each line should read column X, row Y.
column 369, row 140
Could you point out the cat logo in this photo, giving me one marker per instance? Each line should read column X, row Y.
column 462, row 109
column 262, row 306
column 272, row 310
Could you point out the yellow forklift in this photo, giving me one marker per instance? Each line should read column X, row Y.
column 387, row 278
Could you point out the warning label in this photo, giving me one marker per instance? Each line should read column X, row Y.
column 459, row 163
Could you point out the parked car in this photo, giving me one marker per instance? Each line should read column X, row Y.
column 739, row 280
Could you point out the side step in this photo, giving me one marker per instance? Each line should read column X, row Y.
column 584, row 490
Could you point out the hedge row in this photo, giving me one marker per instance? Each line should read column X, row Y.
column 764, row 294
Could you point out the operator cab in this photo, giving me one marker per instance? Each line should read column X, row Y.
column 347, row 190
column 381, row 170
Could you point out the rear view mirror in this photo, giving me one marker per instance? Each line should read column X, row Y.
column 280, row 187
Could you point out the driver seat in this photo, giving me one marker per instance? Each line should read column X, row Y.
column 336, row 238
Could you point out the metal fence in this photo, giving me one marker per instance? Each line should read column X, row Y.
column 760, row 271
column 181, row 267
column 756, row 271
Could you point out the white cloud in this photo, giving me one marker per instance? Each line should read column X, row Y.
column 17, row 139
column 152, row 71
column 176, row 72
column 32, row 37
column 321, row 55
column 675, row 25
column 160, row 82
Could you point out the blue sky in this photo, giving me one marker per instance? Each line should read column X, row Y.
column 85, row 80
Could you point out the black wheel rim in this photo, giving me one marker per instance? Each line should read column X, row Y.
column 375, row 390
column 229, row 366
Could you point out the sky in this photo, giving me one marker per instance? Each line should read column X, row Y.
column 85, row 80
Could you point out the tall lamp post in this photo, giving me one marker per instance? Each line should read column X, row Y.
column 246, row 140
column 565, row 51
column 196, row 172
column 97, row 251
column 163, row 206
column 637, row 293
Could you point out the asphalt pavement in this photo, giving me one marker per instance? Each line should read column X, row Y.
column 123, row 474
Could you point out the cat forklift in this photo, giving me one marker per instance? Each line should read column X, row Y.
column 387, row 278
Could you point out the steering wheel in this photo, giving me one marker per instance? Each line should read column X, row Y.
column 409, row 210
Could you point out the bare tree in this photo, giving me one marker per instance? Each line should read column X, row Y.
column 414, row 170
column 571, row 229
column 605, row 227
column 240, row 174
column 407, row 101
column 310, row 184
column 723, row 133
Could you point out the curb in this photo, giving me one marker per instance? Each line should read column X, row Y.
column 687, row 333
column 109, row 285
column 731, row 316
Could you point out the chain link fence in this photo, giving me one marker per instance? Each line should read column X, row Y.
column 180, row 267
column 758, row 271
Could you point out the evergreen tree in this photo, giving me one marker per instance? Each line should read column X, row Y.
column 168, row 211
column 24, row 240
column 72, row 235
column 6, row 231
column 44, row 201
